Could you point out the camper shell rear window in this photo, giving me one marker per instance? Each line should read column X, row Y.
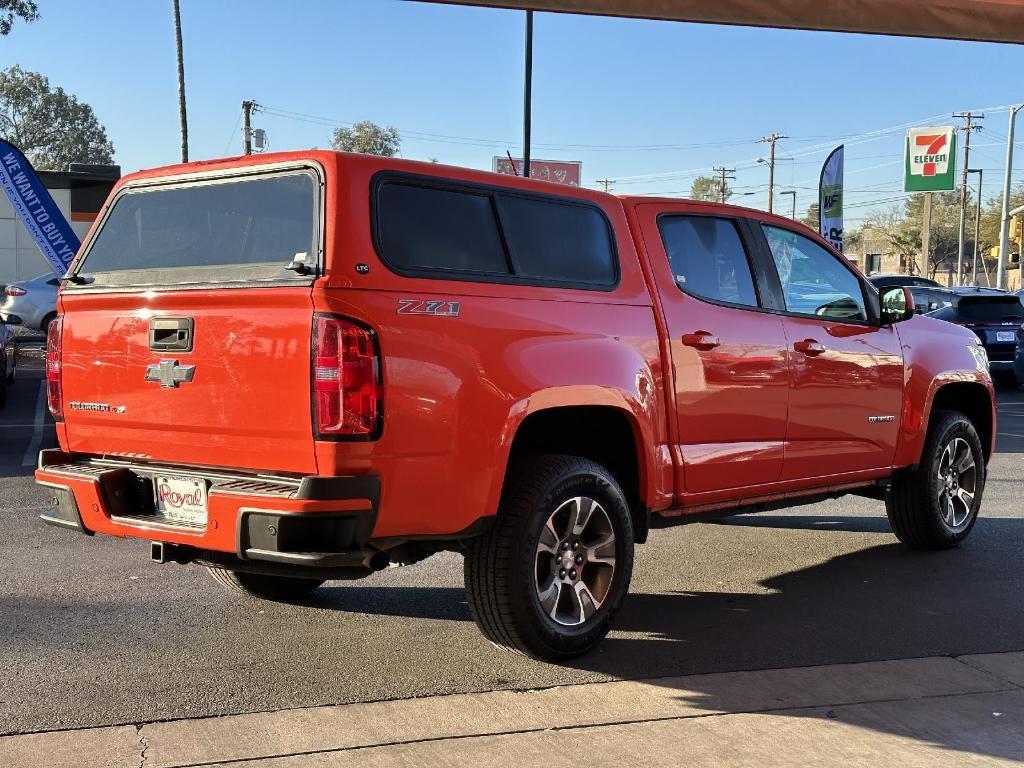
column 434, row 228
column 228, row 229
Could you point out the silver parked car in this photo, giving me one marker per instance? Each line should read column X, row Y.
column 31, row 304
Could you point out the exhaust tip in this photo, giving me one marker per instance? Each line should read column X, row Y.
column 157, row 553
column 379, row 561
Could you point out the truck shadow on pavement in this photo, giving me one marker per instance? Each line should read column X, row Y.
column 879, row 603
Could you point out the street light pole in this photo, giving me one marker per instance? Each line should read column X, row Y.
column 977, row 224
column 791, row 193
column 1004, row 223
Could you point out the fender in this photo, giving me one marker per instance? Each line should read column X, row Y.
column 630, row 384
column 932, row 360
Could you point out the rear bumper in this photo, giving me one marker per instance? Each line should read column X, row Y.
column 310, row 521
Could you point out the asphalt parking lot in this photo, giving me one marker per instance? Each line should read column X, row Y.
column 94, row 634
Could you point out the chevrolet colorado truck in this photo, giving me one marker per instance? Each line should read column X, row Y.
column 299, row 367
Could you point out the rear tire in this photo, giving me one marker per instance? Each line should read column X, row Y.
column 45, row 324
column 3, row 389
column 282, row 588
column 936, row 505
column 548, row 578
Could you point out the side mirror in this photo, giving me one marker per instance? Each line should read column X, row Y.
column 10, row 320
column 897, row 305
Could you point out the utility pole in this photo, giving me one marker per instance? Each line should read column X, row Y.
column 770, row 141
column 968, row 127
column 528, row 94
column 248, row 107
column 977, row 225
column 182, row 117
column 723, row 177
column 1004, row 222
column 607, row 183
column 792, row 193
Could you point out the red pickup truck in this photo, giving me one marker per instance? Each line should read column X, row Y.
column 307, row 366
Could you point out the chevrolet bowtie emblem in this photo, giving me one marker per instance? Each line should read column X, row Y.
column 169, row 373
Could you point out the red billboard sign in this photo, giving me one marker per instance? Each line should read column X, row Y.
column 559, row 171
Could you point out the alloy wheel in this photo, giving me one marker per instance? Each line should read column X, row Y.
column 575, row 561
column 957, row 483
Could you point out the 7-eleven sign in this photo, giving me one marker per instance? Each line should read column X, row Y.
column 930, row 160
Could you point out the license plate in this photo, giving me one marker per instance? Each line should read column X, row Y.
column 181, row 499
column 1006, row 335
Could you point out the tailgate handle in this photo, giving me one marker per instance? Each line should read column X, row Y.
column 168, row 334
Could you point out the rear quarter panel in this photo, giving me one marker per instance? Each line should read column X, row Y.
column 936, row 353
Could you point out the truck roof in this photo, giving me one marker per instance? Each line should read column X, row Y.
column 332, row 157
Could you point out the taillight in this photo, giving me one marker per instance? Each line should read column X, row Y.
column 53, row 389
column 347, row 392
column 14, row 290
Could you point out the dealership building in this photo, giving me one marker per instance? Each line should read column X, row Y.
column 79, row 192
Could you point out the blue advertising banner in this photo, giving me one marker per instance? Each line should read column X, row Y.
column 37, row 210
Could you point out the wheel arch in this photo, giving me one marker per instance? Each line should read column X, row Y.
column 973, row 400
column 605, row 434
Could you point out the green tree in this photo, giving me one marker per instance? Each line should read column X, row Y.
column 810, row 219
column 49, row 125
column 709, row 188
column 945, row 229
column 26, row 10
column 367, row 137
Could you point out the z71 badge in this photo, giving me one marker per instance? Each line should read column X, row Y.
column 431, row 307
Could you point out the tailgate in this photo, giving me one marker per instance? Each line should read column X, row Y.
column 186, row 324
column 241, row 398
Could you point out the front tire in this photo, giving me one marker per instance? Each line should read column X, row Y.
column 548, row 578
column 280, row 588
column 936, row 505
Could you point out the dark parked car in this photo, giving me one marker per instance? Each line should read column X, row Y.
column 997, row 318
column 6, row 361
column 882, row 282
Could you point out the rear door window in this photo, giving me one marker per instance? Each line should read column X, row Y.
column 708, row 259
column 214, row 230
column 424, row 228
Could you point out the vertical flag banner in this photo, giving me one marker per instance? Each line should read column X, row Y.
column 37, row 210
column 830, row 199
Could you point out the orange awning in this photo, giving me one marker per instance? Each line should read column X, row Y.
column 988, row 20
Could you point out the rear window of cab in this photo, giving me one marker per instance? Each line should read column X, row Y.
column 435, row 229
column 228, row 229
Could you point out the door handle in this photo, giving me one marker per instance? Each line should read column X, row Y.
column 701, row 340
column 809, row 347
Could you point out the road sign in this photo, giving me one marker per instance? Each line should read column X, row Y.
column 930, row 160
column 560, row 171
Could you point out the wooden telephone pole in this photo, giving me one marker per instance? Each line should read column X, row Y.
column 770, row 141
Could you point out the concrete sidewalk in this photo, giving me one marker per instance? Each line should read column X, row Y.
column 964, row 711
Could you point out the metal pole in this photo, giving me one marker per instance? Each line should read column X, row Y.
column 528, row 94
column 182, row 117
column 926, row 234
column 977, row 226
column 771, row 175
column 791, row 193
column 1004, row 223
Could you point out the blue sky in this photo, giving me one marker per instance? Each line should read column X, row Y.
column 648, row 104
